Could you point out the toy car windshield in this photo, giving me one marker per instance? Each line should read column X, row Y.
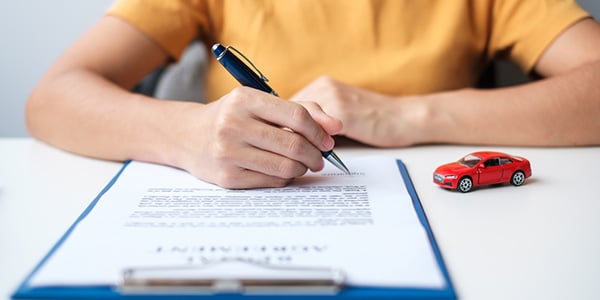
column 470, row 160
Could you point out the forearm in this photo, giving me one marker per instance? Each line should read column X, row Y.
column 558, row 111
column 236, row 141
column 82, row 112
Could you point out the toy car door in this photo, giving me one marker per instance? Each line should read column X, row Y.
column 490, row 172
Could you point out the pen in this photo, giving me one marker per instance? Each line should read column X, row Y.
column 247, row 77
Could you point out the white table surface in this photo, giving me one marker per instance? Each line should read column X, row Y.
column 537, row 241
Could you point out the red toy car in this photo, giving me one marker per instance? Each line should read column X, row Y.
column 482, row 168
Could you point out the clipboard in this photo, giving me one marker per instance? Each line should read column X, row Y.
column 324, row 283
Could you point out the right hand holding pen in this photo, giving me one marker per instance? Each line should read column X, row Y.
column 251, row 139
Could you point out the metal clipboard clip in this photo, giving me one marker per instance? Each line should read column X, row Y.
column 232, row 276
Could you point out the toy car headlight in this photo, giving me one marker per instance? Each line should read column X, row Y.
column 450, row 176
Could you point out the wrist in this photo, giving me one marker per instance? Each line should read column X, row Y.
column 415, row 120
column 426, row 118
column 168, row 126
column 442, row 118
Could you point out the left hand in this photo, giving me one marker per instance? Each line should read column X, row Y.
column 368, row 117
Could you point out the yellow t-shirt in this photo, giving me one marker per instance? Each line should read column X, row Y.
column 395, row 47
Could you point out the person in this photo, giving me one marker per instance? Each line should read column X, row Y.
column 385, row 73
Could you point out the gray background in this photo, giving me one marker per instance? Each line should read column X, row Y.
column 35, row 32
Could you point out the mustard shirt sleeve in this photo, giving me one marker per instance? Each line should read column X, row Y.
column 523, row 29
column 173, row 24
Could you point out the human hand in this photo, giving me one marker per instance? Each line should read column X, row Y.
column 368, row 117
column 251, row 139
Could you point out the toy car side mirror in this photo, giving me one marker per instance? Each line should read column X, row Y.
column 482, row 166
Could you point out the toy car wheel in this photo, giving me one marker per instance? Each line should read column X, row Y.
column 465, row 184
column 518, row 178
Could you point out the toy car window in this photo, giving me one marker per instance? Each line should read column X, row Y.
column 470, row 160
column 492, row 162
column 505, row 161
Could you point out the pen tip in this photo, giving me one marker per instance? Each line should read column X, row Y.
column 336, row 161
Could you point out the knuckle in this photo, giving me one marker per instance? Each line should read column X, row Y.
column 222, row 153
column 239, row 93
column 294, row 145
column 325, row 80
column 311, row 105
column 236, row 98
column 280, row 182
column 329, row 83
column 227, row 125
column 227, row 179
column 289, row 169
column 265, row 134
column 300, row 115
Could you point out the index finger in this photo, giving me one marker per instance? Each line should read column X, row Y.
column 296, row 117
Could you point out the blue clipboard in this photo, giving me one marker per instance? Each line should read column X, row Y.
column 26, row 291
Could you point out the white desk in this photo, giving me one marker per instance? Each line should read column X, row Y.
column 537, row 241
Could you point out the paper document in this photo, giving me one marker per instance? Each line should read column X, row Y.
column 156, row 216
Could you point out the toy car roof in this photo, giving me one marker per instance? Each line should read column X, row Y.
column 488, row 154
